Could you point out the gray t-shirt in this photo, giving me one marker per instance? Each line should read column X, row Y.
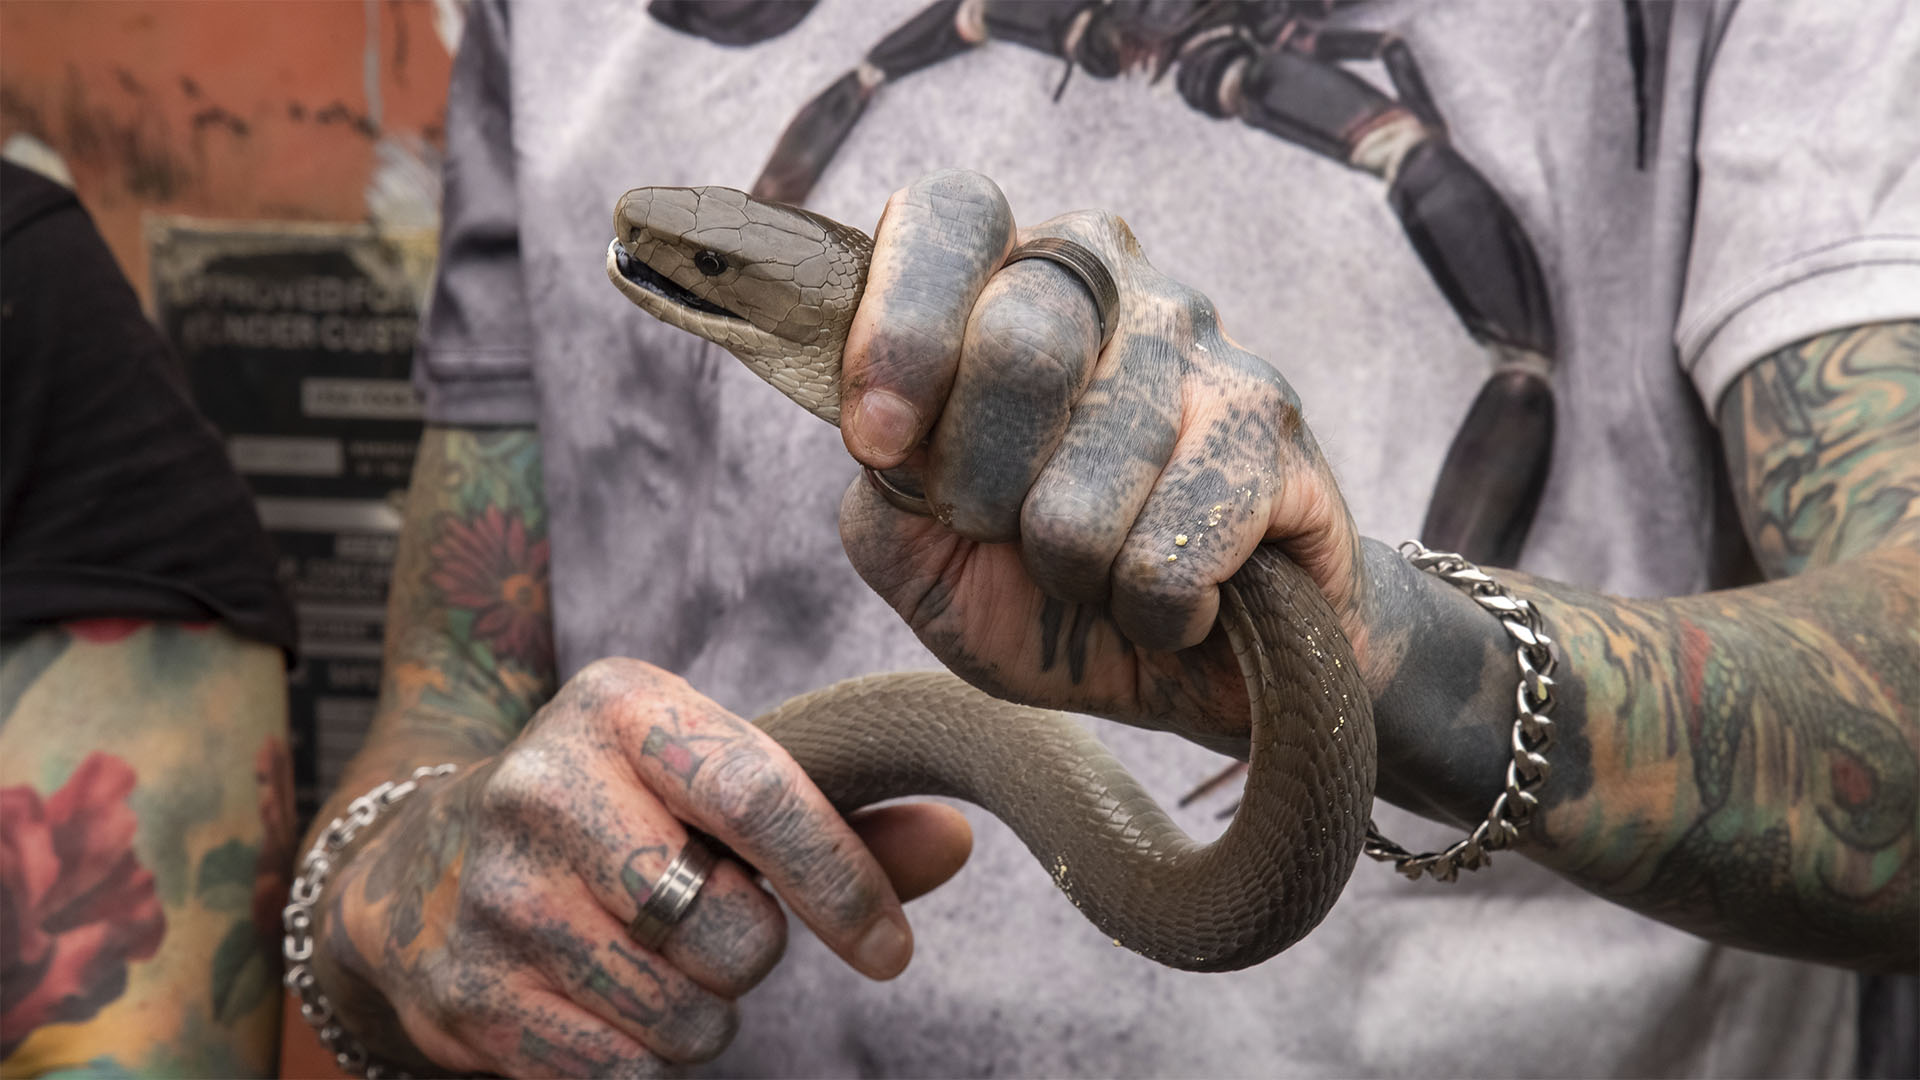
column 1702, row 186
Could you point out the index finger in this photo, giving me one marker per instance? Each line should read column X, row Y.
column 938, row 242
column 727, row 778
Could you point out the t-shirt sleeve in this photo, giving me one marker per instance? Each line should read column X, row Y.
column 117, row 499
column 1807, row 217
column 474, row 361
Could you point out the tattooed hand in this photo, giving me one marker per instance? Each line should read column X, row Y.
column 484, row 927
column 1134, row 479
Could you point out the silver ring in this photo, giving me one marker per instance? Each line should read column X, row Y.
column 900, row 497
column 1085, row 265
column 667, row 902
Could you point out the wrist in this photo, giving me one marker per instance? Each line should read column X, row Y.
column 1442, row 673
column 344, row 989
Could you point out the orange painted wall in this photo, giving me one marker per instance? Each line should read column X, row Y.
column 241, row 110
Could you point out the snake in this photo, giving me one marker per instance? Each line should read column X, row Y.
column 777, row 286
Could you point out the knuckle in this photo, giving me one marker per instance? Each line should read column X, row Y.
column 466, row 1000
column 1089, row 226
column 1029, row 349
column 961, row 186
column 1198, row 308
column 1106, row 233
column 748, row 794
column 522, row 788
column 611, row 678
column 1276, row 395
column 490, row 909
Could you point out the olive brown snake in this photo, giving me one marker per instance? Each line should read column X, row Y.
column 777, row 286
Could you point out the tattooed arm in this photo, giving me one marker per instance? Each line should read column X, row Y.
column 481, row 926
column 469, row 654
column 1741, row 764
column 148, row 831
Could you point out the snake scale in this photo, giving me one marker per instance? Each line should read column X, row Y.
column 777, row 286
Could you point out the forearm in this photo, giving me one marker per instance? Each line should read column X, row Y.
column 469, row 660
column 469, row 649
column 1740, row 763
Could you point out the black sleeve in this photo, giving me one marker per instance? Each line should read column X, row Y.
column 119, row 499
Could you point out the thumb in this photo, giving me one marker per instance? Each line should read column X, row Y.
column 919, row 845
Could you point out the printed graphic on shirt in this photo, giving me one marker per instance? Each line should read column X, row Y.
column 1282, row 67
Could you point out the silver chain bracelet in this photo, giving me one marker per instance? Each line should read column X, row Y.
column 1532, row 727
column 297, row 918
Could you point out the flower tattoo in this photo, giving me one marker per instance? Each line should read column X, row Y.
column 76, row 906
column 490, row 567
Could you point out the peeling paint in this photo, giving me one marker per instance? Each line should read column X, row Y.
column 302, row 110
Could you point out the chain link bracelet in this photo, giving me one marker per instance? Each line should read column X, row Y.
column 1532, row 728
column 297, row 919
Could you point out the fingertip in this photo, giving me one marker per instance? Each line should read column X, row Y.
column 885, row 949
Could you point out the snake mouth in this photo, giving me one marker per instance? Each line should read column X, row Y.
column 646, row 278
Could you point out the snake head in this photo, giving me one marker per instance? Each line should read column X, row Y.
column 773, row 284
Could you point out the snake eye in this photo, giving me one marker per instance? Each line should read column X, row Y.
column 710, row 263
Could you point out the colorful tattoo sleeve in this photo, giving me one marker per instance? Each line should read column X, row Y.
column 469, row 655
column 146, row 840
column 469, row 660
column 1743, row 764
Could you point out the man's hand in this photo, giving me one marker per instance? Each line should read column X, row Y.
column 490, row 915
column 1135, row 479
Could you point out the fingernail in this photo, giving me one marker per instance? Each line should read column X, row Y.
column 885, row 948
column 885, row 424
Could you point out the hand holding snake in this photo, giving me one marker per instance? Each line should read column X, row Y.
column 1088, row 503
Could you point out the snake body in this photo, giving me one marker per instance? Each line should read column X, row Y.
column 777, row 287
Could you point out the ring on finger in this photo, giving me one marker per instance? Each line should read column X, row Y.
column 896, row 494
column 670, row 897
column 1084, row 264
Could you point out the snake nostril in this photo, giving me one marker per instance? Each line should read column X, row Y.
column 710, row 263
